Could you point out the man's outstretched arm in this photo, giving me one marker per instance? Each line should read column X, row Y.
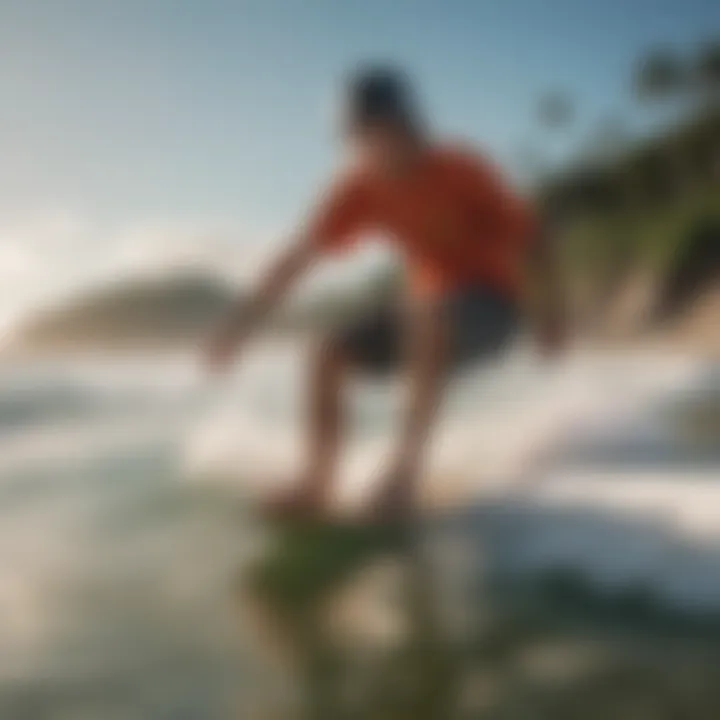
column 248, row 314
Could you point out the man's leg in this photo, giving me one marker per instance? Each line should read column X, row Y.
column 471, row 325
column 426, row 340
column 309, row 495
column 369, row 346
column 328, row 373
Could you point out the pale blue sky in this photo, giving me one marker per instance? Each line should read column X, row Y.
column 214, row 108
column 193, row 113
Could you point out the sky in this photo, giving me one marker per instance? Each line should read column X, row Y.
column 138, row 133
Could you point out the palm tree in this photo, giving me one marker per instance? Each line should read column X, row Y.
column 707, row 80
column 707, row 71
column 555, row 111
column 661, row 75
column 607, row 146
column 663, row 78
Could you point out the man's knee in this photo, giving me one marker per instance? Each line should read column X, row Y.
column 331, row 354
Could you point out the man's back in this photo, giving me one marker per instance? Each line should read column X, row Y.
column 451, row 214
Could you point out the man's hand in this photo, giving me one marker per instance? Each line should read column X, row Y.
column 395, row 496
column 220, row 350
column 226, row 342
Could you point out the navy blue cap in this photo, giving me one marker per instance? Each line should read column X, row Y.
column 379, row 95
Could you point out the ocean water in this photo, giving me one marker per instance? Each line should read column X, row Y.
column 124, row 484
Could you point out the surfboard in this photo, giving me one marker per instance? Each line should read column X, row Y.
column 305, row 561
column 297, row 583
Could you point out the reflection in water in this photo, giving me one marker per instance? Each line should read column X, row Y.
column 552, row 647
column 357, row 648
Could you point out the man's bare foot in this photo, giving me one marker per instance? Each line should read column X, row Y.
column 300, row 502
column 395, row 500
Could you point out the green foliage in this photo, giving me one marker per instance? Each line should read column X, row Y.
column 308, row 561
column 639, row 213
column 707, row 67
column 660, row 74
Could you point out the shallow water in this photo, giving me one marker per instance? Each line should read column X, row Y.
column 117, row 553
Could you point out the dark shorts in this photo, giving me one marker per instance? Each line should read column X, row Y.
column 481, row 322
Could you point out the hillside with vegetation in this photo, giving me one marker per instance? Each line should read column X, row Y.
column 177, row 311
column 149, row 312
column 638, row 218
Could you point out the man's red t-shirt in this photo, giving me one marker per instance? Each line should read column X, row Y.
column 452, row 217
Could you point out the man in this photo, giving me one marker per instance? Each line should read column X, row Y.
column 465, row 239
